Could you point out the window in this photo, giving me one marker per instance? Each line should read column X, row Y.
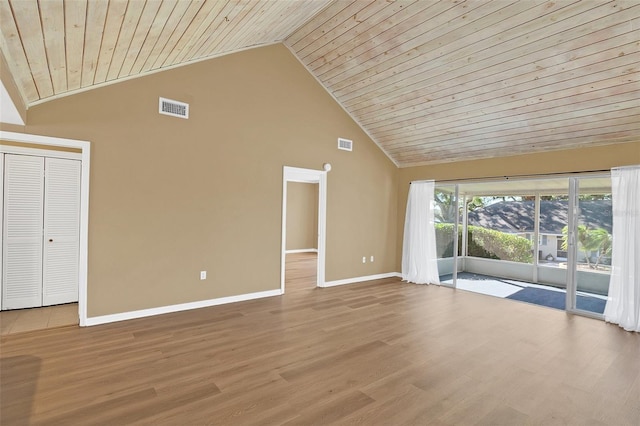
column 445, row 211
column 499, row 227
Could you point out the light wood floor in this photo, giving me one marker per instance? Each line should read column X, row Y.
column 300, row 272
column 21, row 320
column 375, row 353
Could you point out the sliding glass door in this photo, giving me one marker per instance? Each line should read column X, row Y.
column 553, row 214
column 592, row 242
column 541, row 241
column 446, row 216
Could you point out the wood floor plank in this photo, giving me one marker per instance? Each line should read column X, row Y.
column 376, row 353
column 333, row 411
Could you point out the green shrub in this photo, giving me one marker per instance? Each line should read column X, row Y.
column 485, row 243
column 444, row 239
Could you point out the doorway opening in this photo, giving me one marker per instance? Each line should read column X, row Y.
column 302, row 236
column 304, row 195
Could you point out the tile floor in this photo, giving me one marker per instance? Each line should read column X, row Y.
column 21, row 320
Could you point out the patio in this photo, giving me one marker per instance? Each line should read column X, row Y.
column 543, row 295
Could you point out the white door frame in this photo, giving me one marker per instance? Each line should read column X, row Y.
column 1, row 225
column 85, row 148
column 295, row 174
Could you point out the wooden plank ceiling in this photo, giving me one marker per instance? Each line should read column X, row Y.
column 58, row 46
column 429, row 81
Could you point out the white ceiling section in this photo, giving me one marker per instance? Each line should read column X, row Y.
column 8, row 112
column 430, row 81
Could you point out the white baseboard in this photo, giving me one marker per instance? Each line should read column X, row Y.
column 104, row 319
column 310, row 250
column 361, row 279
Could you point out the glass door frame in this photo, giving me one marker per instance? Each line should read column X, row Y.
column 572, row 247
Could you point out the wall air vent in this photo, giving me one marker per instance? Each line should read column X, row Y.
column 173, row 108
column 345, row 144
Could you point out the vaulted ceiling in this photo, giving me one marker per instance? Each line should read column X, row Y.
column 429, row 81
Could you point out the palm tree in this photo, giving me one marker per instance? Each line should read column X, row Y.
column 590, row 241
column 603, row 241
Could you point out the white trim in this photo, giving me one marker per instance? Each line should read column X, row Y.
column 1, row 225
column 572, row 244
column 85, row 147
column 19, row 150
column 104, row 319
column 283, row 241
column 536, row 237
column 146, row 73
column 361, row 279
column 632, row 167
column 296, row 174
column 322, row 228
column 456, row 230
column 309, row 250
column 342, row 106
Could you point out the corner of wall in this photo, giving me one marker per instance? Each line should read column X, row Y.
column 326, row 89
column 12, row 89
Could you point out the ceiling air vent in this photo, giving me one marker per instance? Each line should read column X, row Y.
column 345, row 144
column 173, row 108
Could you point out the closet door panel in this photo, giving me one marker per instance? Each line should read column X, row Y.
column 22, row 231
column 61, row 231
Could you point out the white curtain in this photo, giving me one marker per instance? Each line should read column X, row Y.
column 623, row 304
column 419, row 258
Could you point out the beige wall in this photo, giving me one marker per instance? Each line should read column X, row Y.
column 576, row 160
column 170, row 197
column 302, row 216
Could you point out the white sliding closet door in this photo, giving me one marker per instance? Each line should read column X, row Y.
column 22, row 231
column 61, row 231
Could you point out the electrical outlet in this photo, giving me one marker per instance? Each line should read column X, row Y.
column 371, row 259
column 203, row 275
column 364, row 259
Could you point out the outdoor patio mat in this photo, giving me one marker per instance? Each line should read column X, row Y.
column 556, row 299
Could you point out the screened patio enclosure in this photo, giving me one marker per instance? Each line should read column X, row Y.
column 539, row 240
